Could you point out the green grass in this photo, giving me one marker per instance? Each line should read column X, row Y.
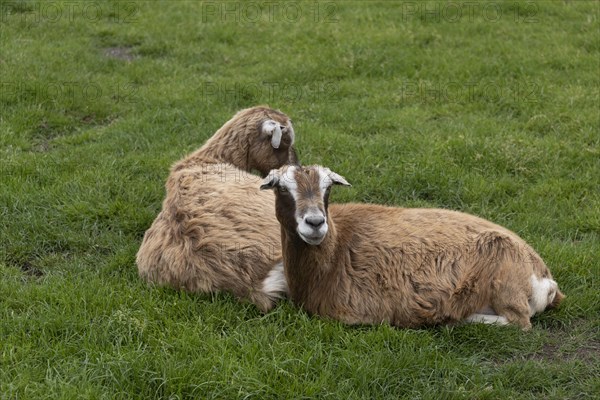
column 493, row 111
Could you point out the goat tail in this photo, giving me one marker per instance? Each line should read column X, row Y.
column 558, row 298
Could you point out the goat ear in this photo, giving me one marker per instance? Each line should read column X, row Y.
column 270, row 181
column 338, row 179
column 273, row 129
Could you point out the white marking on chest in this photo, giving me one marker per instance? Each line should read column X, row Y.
column 275, row 285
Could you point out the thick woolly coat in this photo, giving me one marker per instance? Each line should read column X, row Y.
column 407, row 267
column 216, row 231
column 411, row 267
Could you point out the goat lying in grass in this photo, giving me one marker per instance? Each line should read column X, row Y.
column 216, row 230
column 367, row 264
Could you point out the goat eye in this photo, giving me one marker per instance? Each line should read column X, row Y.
column 282, row 189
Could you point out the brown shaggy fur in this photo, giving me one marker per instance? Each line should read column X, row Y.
column 241, row 144
column 407, row 267
column 216, row 230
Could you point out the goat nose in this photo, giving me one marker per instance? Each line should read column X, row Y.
column 315, row 220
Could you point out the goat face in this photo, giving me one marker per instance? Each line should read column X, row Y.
column 274, row 145
column 302, row 195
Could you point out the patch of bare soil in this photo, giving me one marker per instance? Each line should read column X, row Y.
column 559, row 349
column 29, row 269
column 120, row 53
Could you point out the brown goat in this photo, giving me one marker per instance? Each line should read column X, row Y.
column 216, row 231
column 368, row 264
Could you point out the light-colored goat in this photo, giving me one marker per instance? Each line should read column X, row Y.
column 216, row 231
column 368, row 264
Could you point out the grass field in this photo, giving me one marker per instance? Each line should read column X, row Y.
column 491, row 108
